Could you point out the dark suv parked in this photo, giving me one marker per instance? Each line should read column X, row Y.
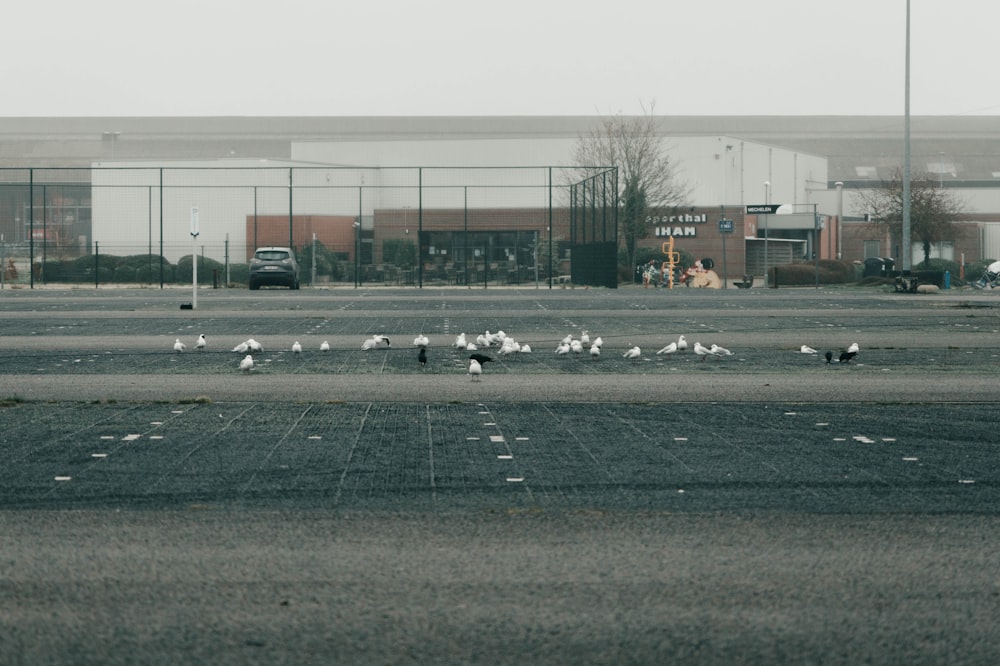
column 274, row 266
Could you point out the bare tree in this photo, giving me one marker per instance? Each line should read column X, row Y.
column 647, row 176
column 933, row 210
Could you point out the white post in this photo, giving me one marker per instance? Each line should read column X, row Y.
column 194, row 257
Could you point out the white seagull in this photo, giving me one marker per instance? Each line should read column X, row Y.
column 682, row 343
column 599, row 341
column 202, row 342
column 585, row 337
column 669, row 350
column 576, row 346
column 296, row 347
column 179, row 346
column 421, row 341
column 633, row 354
column 246, row 365
column 374, row 341
column 595, row 352
column 461, row 342
column 324, row 346
column 562, row 349
column 703, row 351
column 853, row 349
column 475, row 369
column 525, row 349
column 719, row 351
column 254, row 346
column 806, row 349
column 241, row 348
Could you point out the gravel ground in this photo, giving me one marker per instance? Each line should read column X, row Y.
column 351, row 506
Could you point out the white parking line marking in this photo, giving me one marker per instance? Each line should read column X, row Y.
column 497, row 438
column 63, row 478
column 515, row 479
column 130, row 438
column 505, row 457
column 98, row 455
column 910, row 459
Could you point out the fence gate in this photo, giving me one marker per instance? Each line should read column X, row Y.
column 593, row 242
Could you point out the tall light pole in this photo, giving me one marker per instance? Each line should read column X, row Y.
column 767, row 200
column 907, row 250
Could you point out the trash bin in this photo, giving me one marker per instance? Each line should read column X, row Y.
column 888, row 263
column 874, row 267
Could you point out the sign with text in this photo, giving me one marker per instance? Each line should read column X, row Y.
column 763, row 209
column 726, row 226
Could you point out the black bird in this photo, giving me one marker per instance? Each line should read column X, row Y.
column 422, row 357
column 481, row 358
column 829, row 356
column 846, row 356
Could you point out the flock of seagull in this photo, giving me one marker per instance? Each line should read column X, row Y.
column 505, row 345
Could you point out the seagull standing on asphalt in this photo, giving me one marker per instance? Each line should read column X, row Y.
column 669, row 350
column 633, row 354
column 179, row 346
column 296, row 347
column 719, row 351
column 461, row 342
column 421, row 341
column 595, row 352
column 254, row 346
column 202, row 342
column 324, row 346
column 703, row 351
column 475, row 370
column 246, row 365
column 806, row 349
column 682, row 343
column 853, row 349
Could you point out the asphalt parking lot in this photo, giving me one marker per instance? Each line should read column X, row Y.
column 357, row 506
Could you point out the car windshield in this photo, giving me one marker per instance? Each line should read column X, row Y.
column 272, row 255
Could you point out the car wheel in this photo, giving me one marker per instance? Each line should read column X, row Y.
column 295, row 284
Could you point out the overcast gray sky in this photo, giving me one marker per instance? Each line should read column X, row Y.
column 518, row 57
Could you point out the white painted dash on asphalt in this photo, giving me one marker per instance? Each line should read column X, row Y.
column 176, row 411
column 680, row 439
column 790, row 413
column 505, row 457
column 489, row 424
column 63, row 478
column 966, row 481
column 107, row 437
column 496, row 438
column 130, row 438
column 156, row 436
column 156, row 423
column 484, row 413
column 515, row 479
column 823, row 424
column 840, row 439
column 472, row 439
column 909, row 459
column 98, row 455
column 315, row 436
column 888, row 439
column 521, row 439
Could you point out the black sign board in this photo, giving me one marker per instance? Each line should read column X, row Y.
column 763, row 209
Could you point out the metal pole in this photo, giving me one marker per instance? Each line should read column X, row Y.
column 767, row 200
column 161, row 227
column 31, row 227
column 550, row 228
column 291, row 238
column 816, row 242
column 907, row 250
column 420, row 227
column 840, row 219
